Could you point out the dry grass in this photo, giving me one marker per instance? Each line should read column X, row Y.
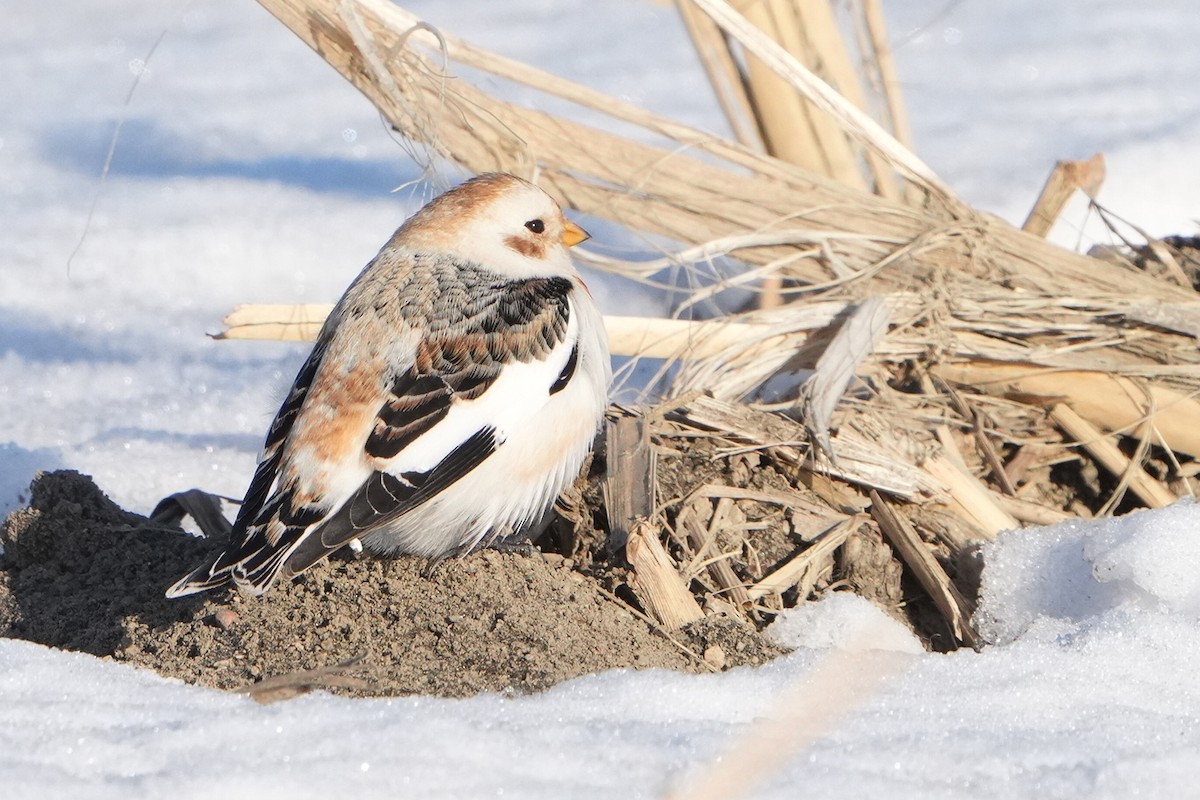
column 960, row 419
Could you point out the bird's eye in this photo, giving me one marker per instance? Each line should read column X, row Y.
column 536, row 225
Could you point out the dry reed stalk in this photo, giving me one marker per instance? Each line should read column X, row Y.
column 700, row 535
column 817, row 28
column 791, row 70
column 1065, row 179
column 275, row 688
column 877, row 52
column 987, row 331
column 723, row 74
column 949, row 600
column 647, row 337
column 970, row 498
column 1111, row 402
column 665, row 191
column 792, row 128
column 279, row 322
column 806, row 710
column 880, row 50
column 1029, row 512
column 771, row 292
column 817, row 556
column 1107, row 455
column 990, row 456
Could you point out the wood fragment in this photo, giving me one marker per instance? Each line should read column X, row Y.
column 1065, row 179
column 629, row 484
column 810, row 562
column 970, row 498
column 956, row 608
column 1109, row 456
column 293, row 684
column 1031, row 513
column 699, row 525
column 655, row 580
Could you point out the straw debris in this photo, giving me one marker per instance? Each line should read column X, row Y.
column 1001, row 381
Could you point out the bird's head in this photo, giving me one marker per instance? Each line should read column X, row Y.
column 499, row 221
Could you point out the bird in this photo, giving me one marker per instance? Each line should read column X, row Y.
column 452, row 393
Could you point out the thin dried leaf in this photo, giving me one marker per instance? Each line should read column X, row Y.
column 854, row 341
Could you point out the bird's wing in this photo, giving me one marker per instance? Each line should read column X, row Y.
column 452, row 408
column 437, row 422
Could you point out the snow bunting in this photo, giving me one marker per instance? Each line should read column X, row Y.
column 452, row 393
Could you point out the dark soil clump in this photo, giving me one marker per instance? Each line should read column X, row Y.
column 80, row 573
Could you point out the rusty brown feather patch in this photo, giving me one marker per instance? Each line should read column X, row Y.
column 435, row 221
column 526, row 247
column 338, row 409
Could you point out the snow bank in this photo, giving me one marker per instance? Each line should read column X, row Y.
column 1089, row 692
column 1079, row 577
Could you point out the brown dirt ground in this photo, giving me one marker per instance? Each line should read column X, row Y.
column 79, row 573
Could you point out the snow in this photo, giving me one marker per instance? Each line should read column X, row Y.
column 1070, row 577
column 248, row 171
column 825, row 625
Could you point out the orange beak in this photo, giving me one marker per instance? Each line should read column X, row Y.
column 573, row 234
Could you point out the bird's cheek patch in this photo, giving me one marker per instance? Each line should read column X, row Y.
column 526, row 247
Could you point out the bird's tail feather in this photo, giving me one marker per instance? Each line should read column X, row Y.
column 199, row 580
column 252, row 567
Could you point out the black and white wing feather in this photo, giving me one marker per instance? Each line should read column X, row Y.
column 496, row 351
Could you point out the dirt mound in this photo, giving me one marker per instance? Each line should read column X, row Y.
column 80, row 573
